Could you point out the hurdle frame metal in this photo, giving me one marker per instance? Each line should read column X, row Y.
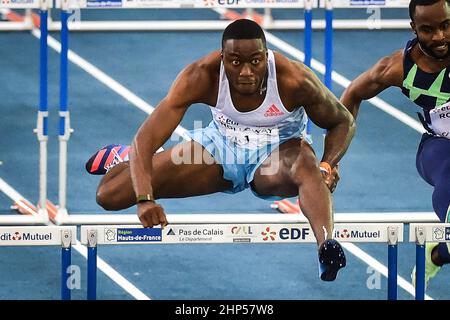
column 63, row 236
column 93, row 235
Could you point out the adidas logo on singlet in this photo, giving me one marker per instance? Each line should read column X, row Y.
column 273, row 111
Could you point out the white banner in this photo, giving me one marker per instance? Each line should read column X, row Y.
column 35, row 236
column 367, row 3
column 235, row 233
column 21, row 4
column 142, row 4
column 361, row 232
column 433, row 232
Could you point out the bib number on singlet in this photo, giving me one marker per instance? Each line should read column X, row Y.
column 440, row 120
column 251, row 138
column 245, row 136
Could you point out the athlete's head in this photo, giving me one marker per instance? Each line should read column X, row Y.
column 244, row 55
column 430, row 20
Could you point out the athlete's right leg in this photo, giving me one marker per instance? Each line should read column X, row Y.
column 433, row 165
column 184, row 170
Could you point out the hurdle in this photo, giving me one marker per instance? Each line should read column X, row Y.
column 236, row 229
column 64, row 236
column 42, row 117
column 420, row 234
column 269, row 22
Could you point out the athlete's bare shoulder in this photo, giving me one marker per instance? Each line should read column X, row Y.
column 285, row 66
column 205, row 68
column 198, row 81
column 209, row 62
column 295, row 81
column 289, row 72
column 389, row 69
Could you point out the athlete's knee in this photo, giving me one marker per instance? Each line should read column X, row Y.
column 106, row 199
column 102, row 199
column 305, row 165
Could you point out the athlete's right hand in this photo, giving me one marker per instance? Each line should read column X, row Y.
column 336, row 178
column 151, row 214
column 331, row 179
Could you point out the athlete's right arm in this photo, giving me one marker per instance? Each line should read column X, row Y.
column 387, row 72
column 189, row 87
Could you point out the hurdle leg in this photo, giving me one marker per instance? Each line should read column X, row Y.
column 308, row 48
column 64, row 117
column 328, row 78
column 92, row 265
column 392, row 262
column 42, row 119
column 392, row 272
column 66, row 261
column 420, row 263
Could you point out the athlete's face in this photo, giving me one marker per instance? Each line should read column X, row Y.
column 432, row 26
column 245, row 63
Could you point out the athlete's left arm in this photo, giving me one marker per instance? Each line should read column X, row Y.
column 327, row 112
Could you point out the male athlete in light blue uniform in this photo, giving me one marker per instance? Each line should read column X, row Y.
column 259, row 99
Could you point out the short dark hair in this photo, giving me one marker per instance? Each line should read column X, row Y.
column 414, row 3
column 243, row 29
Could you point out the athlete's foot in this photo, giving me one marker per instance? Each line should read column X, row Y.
column 106, row 158
column 431, row 268
column 331, row 259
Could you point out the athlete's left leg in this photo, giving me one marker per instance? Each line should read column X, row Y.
column 433, row 164
column 292, row 170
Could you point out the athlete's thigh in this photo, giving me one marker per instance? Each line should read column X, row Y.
column 274, row 176
column 187, row 169
column 433, row 157
column 181, row 171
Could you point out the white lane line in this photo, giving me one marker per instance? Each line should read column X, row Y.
column 14, row 195
column 113, row 274
column 381, row 268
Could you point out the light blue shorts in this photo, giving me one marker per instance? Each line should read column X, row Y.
column 239, row 164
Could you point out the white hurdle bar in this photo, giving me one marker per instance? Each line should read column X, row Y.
column 202, row 25
column 238, row 233
column 219, row 218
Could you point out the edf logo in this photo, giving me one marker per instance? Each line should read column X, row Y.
column 293, row 233
column 228, row 2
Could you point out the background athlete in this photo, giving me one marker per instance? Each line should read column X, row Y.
column 421, row 70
